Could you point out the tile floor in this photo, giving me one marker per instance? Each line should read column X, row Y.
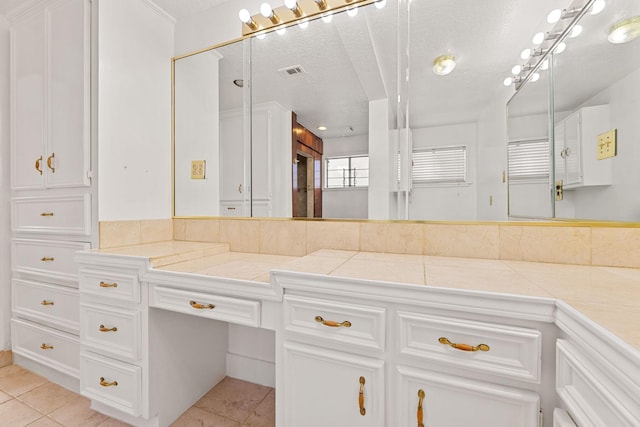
column 27, row 399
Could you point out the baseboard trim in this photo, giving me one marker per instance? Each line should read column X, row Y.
column 252, row 370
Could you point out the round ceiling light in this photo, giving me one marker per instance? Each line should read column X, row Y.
column 624, row 31
column 444, row 64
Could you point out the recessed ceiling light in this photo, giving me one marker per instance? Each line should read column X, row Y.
column 625, row 30
column 444, row 64
column 321, row 127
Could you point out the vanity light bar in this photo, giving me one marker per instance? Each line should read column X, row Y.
column 293, row 11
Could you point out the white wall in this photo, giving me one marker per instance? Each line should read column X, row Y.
column 135, row 47
column 345, row 202
column 446, row 202
column 621, row 200
column 197, row 135
column 5, row 269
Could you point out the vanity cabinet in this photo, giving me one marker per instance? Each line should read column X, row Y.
column 576, row 148
column 430, row 366
column 50, row 144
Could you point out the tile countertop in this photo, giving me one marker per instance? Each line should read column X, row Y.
column 610, row 296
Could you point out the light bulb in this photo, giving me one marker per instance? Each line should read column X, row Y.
column 598, row 6
column 516, row 70
column 291, row 4
column 554, row 16
column 624, row 31
column 244, row 15
column 328, row 17
column 526, row 54
column 538, row 38
column 281, row 30
column 545, row 65
column 508, row 81
column 303, row 24
column 266, row 10
column 560, row 48
column 575, row 31
column 535, row 77
column 444, row 64
column 352, row 11
column 381, row 3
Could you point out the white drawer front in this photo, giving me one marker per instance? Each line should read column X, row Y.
column 106, row 284
column 111, row 331
column 113, row 383
column 52, row 348
column 591, row 396
column 53, row 305
column 327, row 320
column 233, row 310
column 48, row 258
column 512, row 352
column 70, row 215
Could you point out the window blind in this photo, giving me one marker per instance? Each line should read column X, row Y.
column 528, row 159
column 440, row 165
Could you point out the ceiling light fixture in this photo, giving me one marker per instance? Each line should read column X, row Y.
column 444, row 64
column 292, row 5
column 322, row 4
column 624, row 31
column 267, row 12
column 321, row 127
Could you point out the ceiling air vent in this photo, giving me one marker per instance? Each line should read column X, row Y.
column 294, row 70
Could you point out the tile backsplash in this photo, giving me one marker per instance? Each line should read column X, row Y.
column 539, row 242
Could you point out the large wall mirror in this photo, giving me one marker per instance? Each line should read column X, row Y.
column 358, row 118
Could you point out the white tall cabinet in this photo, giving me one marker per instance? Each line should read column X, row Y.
column 52, row 200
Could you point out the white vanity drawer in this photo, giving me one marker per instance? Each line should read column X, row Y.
column 55, row 306
column 106, row 284
column 52, row 348
column 110, row 382
column 335, row 322
column 69, row 215
column 590, row 395
column 49, row 258
column 233, row 310
column 111, row 331
column 508, row 351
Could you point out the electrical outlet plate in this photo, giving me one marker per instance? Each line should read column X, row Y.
column 197, row 169
column 607, row 146
column 559, row 191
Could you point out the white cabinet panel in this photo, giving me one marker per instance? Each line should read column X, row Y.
column 111, row 331
column 47, row 258
column 51, row 305
column 460, row 402
column 107, row 284
column 67, row 215
column 323, row 388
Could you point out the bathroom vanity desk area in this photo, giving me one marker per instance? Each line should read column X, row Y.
column 363, row 338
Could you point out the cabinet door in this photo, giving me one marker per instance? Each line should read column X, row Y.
column 27, row 90
column 452, row 401
column 232, row 159
column 572, row 149
column 323, row 388
column 67, row 155
column 559, row 153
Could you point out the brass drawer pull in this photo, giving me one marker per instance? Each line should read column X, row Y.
column 464, row 347
column 361, row 397
column 46, row 214
column 38, row 160
column 46, row 259
column 105, row 329
column 420, row 411
column 46, row 347
column 201, row 306
column 45, row 302
column 49, row 160
column 103, row 383
column 333, row 324
column 108, row 285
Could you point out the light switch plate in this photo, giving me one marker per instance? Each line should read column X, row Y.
column 197, row 169
column 607, row 146
column 559, row 191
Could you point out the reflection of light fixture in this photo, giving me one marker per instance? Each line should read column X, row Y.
column 545, row 65
column 511, row 80
column 381, row 3
column 303, row 24
column 560, row 48
column 516, row 70
column 352, row 11
column 321, row 127
column 597, row 7
column 625, row 30
column 322, row 4
column 538, row 38
column 535, row 77
column 526, row 54
column 444, row 64
column 267, row 12
column 575, row 31
column 245, row 17
column 261, row 35
column 281, row 30
column 554, row 16
column 327, row 17
column 238, row 82
column 292, row 5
